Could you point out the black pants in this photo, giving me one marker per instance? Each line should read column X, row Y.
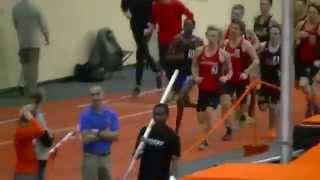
column 165, row 65
column 42, row 169
column 142, row 53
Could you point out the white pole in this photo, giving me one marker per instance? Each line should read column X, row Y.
column 286, row 81
column 147, row 132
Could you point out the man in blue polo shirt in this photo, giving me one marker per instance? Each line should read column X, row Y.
column 99, row 128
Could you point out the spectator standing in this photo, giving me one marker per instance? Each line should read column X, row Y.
column 43, row 143
column 30, row 25
column 27, row 130
column 99, row 128
column 139, row 13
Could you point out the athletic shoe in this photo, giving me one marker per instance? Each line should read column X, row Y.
column 204, row 145
column 136, row 91
column 245, row 120
column 228, row 135
column 270, row 135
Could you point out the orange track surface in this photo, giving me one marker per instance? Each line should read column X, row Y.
column 305, row 167
column 62, row 115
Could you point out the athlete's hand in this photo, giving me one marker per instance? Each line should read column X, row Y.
column 148, row 30
column 316, row 63
column 224, row 79
column 198, row 79
column 244, row 76
column 313, row 39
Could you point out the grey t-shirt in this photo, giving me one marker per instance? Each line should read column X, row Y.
column 29, row 23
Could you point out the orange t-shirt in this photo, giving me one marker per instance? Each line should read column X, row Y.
column 27, row 162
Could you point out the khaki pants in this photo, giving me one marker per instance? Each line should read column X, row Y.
column 29, row 59
column 96, row 167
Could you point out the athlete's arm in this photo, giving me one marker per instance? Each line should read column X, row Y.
column 254, row 39
column 225, row 57
column 253, row 55
column 173, row 54
column 300, row 34
column 261, row 47
column 195, row 65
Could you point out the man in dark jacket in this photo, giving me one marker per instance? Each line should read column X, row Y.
column 139, row 13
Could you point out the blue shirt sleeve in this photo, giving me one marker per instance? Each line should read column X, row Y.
column 84, row 125
column 115, row 124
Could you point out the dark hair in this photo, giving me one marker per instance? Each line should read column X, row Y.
column 192, row 21
column 241, row 24
column 314, row 5
column 214, row 28
column 238, row 6
column 37, row 97
column 164, row 106
column 22, row 118
column 271, row 2
column 277, row 26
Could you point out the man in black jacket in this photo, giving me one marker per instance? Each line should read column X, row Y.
column 139, row 13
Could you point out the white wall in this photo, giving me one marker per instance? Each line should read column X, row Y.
column 217, row 12
column 73, row 22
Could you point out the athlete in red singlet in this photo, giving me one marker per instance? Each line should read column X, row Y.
column 307, row 56
column 237, row 12
column 207, row 72
column 244, row 61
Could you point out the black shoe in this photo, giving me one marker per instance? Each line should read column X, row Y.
column 136, row 91
column 159, row 80
column 228, row 135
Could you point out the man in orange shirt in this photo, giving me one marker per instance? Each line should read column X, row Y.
column 27, row 130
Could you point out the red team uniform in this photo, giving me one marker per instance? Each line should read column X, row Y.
column 240, row 61
column 209, row 88
column 307, row 53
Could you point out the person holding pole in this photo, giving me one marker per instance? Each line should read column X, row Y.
column 161, row 152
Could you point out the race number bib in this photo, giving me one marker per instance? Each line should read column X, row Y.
column 214, row 69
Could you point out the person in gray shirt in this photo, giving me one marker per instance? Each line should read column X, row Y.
column 31, row 27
